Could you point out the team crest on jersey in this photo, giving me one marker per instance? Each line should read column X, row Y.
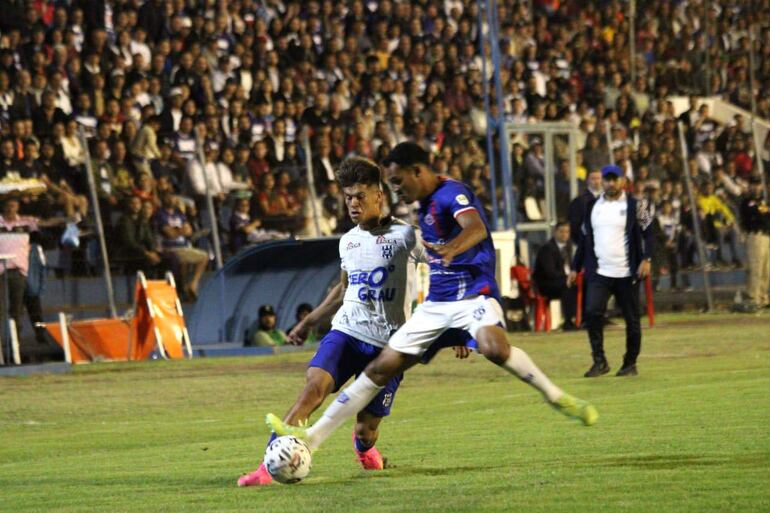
column 429, row 220
column 387, row 251
column 462, row 199
column 387, row 399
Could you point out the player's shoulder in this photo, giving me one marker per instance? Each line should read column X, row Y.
column 452, row 190
column 350, row 239
column 399, row 226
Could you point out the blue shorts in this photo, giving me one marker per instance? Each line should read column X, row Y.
column 343, row 356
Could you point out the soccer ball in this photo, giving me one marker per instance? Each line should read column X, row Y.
column 287, row 459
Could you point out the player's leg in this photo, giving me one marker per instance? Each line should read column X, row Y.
column 355, row 397
column 365, row 435
column 627, row 296
column 493, row 344
column 319, row 383
column 404, row 350
column 452, row 337
column 324, row 369
column 483, row 317
column 596, row 297
column 368, row 421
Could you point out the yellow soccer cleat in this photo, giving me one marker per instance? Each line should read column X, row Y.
column 280, row 428
column 577, row 409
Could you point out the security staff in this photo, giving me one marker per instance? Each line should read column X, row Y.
column 755, row 221
column 614, row 249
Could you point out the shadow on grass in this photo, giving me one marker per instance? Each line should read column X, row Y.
column 677, row 461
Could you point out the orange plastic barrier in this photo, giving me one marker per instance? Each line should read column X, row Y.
column 157, row 322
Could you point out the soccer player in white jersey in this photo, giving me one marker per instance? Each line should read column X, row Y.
column 463, row 294
column 375, row 292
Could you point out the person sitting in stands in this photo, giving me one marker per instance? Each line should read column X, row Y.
column 136, row 242
column 175, row 231
column 267, row 335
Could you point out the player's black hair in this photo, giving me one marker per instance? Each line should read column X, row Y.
column 407, row 154
column 355, row 170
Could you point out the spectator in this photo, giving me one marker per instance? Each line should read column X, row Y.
column 719, row 225
column 74, row 152
column 52, row 174
column 267, row 334
column 175, row 231
column 144, row 147
column 104, row 177
column 15, row 241
column 135, row 240
column 216, row 177
column 578, row 206
column 552, row 268
column 669, row 225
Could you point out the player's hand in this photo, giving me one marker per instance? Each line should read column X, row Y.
column 644, row 269
column 445, row 251
column 462, row 352
column 571, row 278
column 297, row 336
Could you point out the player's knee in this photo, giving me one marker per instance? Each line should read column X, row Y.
column 383, row 368
column 496, row 353
column 493, row 348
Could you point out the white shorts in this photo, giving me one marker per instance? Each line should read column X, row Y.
column 432, row 318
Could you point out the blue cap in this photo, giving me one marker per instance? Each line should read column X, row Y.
column 612, row 169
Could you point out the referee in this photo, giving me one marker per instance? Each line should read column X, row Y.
column 614, row 249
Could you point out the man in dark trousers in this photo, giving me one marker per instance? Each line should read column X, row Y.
column 614, row 249
column 552, row 267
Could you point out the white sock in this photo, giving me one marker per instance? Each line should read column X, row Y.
column 349, row 402
column 520, row 364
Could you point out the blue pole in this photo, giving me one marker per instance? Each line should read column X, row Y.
column 490, row 123
column 502, row 133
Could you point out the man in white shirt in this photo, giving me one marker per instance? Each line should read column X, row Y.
column 614, row 249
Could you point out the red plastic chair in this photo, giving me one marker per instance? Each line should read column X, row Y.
column 542, row 314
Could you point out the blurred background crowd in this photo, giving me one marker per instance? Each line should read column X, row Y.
column 253, row 78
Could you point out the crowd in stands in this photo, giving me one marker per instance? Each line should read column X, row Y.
column 180, row 96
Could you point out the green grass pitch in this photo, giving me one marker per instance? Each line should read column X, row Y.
column 691, row 433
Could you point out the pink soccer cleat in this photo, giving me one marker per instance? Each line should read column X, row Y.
column 259, row 477
column 370, row 459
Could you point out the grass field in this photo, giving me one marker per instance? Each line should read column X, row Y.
column 690, row 433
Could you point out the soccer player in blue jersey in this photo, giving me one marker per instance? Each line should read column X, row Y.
column 372, row 300
column 463, row 294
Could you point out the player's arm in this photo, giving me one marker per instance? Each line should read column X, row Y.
column 329, row 305
column 473, row 232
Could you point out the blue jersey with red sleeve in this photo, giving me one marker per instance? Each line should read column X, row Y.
column 471, row 273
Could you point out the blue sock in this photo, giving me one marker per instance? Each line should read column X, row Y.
column 361, row 445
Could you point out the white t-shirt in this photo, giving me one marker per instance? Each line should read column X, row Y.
column 608, row 220
column 380, row 265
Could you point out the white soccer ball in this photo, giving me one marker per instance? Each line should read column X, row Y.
column 287, row 459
